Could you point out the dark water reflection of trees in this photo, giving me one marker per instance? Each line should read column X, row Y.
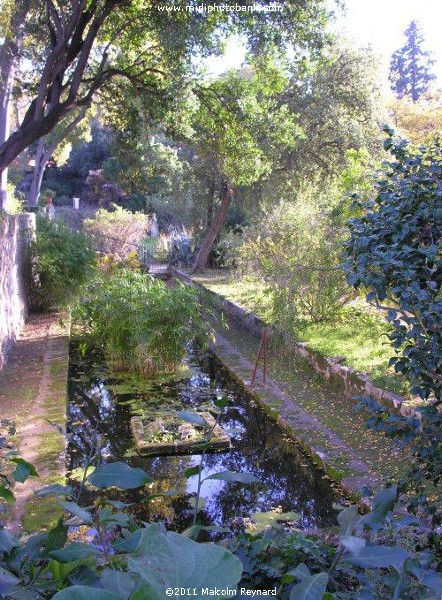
column 289, row 479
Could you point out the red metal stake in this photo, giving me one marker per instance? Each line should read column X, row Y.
column 262, row 354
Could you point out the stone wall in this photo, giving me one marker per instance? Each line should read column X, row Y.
column 15, row 232
column 345, row 378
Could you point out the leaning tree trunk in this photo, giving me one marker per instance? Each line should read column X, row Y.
column 214, row 228
column 210, row 206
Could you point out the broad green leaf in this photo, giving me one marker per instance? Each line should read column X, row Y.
column 119, row 582
column 166, row 559
column 192, row 418
column 433, row 581
column 63, row 571
column 231, row 476
column 7, row 581
column 201, row 503
column 301, row 572
column 353, row 544
column 262, row 520
column 76, row 510
column 6, row 494
column 383, row 503
column 84, row 575
column 396, row 583
column 120, row 519
column 128, row 544
column 352, row 279
column 56, row 489
column 7, row 541
column 33, row 548
column 193, row 531
column 192, row 471
column 348, row 519
column 378, row 557
column 120, row 475
column 365, row 595
column 56, row 537
column 23, row 470
column 73, row 552
column 141, row 593
column 311, row 588
column 82, row 592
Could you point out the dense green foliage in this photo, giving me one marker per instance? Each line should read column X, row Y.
column 421, row 433
column 418, row 121
column 141, row 323
column 373, row 557
column 410, row 66
column 60, row 261
column 394, row 252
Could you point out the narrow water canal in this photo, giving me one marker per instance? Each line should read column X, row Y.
column 101, row 405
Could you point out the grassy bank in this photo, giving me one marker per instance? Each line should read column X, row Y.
column 357, row 335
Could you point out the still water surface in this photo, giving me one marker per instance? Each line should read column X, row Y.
column 102, row 403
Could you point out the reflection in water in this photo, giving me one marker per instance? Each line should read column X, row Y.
column 101, row 405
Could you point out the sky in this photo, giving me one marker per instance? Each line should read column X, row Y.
column 380, row 23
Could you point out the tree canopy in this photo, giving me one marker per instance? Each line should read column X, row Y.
column 410, row 66
column 85, row 45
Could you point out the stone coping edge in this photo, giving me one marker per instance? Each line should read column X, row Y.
column 42, row 440
column 326, row 449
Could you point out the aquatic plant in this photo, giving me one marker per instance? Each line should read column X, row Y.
column 142, row 324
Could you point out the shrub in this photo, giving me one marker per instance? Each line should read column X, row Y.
column 15, row 201
column 142, row 323
column 224, row 253
column 298, row 253
column 60, row 260
column 394, row 252
column 376, row 555
column 117, row 232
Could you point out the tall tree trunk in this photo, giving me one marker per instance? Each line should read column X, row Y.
column 7, row 71
column 37, row 177
column 9, row 53
column 214, row 228
column 43, row 155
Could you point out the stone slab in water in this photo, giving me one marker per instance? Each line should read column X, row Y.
column 219, row 441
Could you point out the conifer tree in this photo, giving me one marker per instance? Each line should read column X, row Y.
column 410, row 66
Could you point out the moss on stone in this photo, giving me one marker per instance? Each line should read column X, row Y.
column 41, row 514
